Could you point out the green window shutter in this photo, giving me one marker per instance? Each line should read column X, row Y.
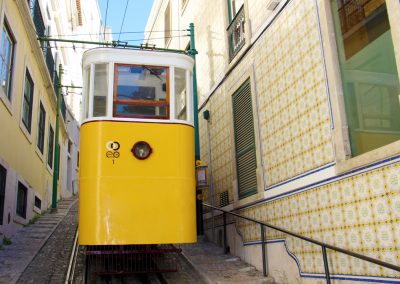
column 246, row 162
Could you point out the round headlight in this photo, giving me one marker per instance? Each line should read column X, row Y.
column 141, row 150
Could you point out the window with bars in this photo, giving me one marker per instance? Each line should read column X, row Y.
column 246, row 162
column 236, row 28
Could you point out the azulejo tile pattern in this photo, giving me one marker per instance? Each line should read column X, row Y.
column 293, row 100
column 360, row 213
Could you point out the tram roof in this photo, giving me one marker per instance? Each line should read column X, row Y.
column 137, row 56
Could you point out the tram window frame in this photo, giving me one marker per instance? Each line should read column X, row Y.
column 180, row 96
column 100, row 90
column 143, row 103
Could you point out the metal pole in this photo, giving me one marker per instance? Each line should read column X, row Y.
column 192, row 52
column 324, row 256
column 56, row 149
column 264, row 259
column 199, row 204
column 207, row 117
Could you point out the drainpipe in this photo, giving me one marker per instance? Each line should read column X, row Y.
column 56, row 148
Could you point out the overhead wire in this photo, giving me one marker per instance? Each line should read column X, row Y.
column 154, row 38
column 105, row 23
column 132, row 32
column 123, row 19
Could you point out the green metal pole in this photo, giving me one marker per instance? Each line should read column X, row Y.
column 56, row 148
column 199, row 203
column 192, row 52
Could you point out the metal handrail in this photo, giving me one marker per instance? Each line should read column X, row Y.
column 323, row 245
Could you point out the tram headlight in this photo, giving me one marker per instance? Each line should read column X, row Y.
column 141, row 150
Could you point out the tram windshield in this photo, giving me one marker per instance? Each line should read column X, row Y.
column 141, row 91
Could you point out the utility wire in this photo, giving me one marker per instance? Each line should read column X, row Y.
column 135, row 32
column 105, row 23
column 123, row 19
column 64, row 46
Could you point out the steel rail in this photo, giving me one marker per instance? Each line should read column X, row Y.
column 72, row 261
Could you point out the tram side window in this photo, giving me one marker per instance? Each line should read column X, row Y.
column 180, row 94
column 141, row 91
column 87, row 92
column 100, row 90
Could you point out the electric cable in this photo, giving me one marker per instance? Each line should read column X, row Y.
column 105, row 23
column 133, row 32
column 123, row 19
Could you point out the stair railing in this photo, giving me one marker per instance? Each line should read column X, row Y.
column 323, row 246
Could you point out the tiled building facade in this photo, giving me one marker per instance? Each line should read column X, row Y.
column 317, row 85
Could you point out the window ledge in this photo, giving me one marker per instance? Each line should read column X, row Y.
column 7, row 103
column 25, row 131
column 248, row 200
column 40, row 154
column 368, row 157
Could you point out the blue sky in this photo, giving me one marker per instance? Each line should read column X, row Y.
column 135, row 19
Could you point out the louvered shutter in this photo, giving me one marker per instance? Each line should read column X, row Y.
column 246, row 162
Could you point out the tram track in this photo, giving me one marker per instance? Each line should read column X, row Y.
column 77, row 270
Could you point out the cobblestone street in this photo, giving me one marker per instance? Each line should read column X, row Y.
column 50, row 265
column 30, row 246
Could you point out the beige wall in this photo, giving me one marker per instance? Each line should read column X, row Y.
column 18, row 150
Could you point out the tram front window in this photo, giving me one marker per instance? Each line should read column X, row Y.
column 141, row 91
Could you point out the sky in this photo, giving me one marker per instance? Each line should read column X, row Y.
column 136, row 16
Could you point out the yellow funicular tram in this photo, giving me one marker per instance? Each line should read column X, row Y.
column 137, row 149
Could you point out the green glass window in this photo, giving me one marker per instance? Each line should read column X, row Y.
column 369, row 73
